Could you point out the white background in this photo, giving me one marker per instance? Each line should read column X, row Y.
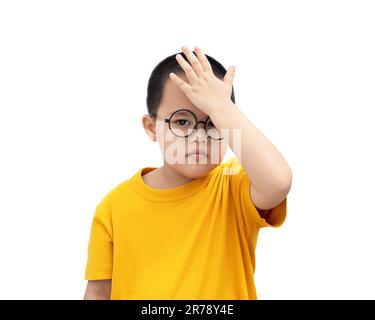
column 73, row 77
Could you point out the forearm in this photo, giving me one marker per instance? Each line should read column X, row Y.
column 264, row 164
column 98, row 290
column 96, row 296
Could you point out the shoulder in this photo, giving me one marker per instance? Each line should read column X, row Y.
column 231, row 176
column 115, row 194
column 233, row 169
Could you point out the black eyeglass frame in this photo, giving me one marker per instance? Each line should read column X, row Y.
column 168, row 120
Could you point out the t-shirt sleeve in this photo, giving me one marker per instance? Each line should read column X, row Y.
column 100, row 248
column 240, row 185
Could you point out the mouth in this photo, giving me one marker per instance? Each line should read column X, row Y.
column 198, row 155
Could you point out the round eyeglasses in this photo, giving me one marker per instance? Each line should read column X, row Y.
column 183, row 122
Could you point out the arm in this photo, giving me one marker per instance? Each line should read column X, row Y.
column 98, row 290
column 270, row 174
column 268, row 171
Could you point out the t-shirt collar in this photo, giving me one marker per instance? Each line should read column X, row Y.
column 170, row 194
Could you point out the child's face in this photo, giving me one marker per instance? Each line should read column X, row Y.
column 180, row 152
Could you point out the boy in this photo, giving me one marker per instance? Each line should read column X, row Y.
column 188, row 230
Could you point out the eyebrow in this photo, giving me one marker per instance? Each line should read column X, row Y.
column 186, row 112
column 181, row 112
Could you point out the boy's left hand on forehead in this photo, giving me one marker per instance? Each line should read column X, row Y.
column 204, row 89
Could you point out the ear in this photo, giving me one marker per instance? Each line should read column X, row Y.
column 149, row 126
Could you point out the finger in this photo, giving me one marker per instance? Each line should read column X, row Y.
column 190, row 73
column 183, row 85
column 203, row 60
column 229, row 76
column 194, row 61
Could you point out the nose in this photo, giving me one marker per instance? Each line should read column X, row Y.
column 200, row 133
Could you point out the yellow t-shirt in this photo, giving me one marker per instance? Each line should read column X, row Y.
column 195, row 241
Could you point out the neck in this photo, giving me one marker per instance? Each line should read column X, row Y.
column 164, row 178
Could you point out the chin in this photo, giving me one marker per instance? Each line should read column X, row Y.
column 194, row 171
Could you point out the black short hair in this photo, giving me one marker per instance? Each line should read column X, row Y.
column 160, row 74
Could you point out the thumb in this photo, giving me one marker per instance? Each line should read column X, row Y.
column 229, row 76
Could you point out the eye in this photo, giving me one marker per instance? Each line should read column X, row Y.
column 182, row 122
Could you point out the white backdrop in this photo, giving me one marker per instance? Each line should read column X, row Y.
column 73, row 77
